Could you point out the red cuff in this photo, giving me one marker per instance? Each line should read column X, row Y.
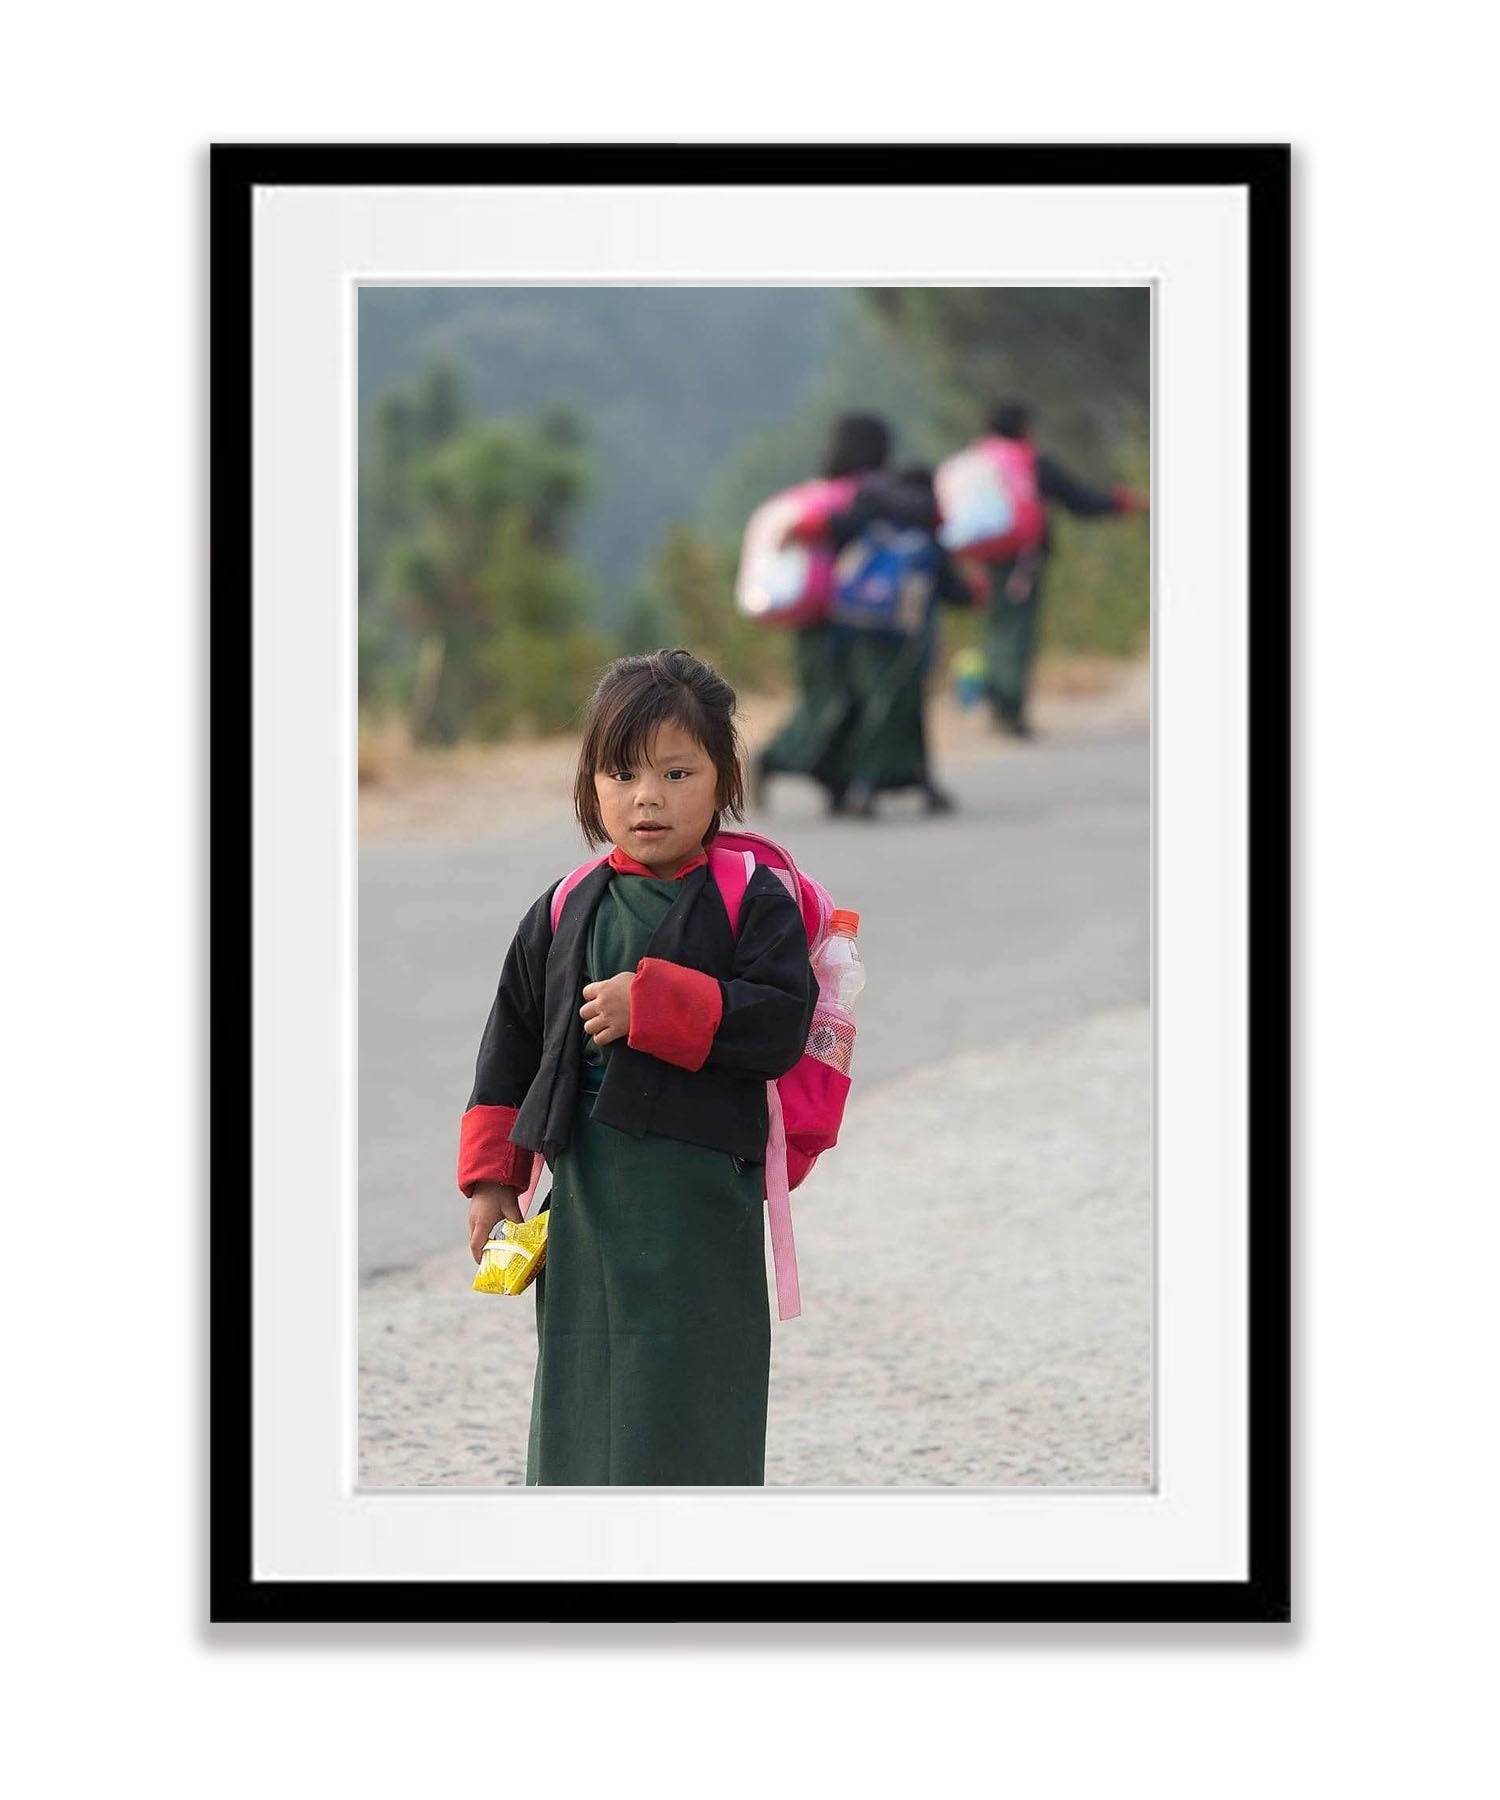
column 674, row 1012
column 485, row 1152
column 1127, row 500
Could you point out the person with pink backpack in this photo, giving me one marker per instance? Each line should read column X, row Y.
column 814, row 739
column 994, row 496
column 655, row 1040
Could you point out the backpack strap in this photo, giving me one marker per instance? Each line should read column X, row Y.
column 569, row 882
column 731, row 870
column 779, row 1210
column 528, row 1199
column 813, row 900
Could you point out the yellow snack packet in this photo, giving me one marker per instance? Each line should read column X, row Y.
column 513, row 1256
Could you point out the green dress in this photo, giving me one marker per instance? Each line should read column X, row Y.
column 1010, row 638
column 887, row 746
column 653, row 1324
column 813, row 739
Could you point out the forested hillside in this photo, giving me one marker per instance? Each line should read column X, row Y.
column 669, row 382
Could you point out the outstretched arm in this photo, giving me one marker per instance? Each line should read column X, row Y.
column 1088, row 503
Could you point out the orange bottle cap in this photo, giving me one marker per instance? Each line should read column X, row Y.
column 844, row 921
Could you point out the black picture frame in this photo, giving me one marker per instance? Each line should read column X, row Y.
column 1263, row 172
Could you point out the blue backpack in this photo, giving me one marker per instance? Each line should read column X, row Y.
column 884, row 580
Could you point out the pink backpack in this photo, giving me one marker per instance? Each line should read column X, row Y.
column 786, row 567
column 991, row 505
column 805, row 1107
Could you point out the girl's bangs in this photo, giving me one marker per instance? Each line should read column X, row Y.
column 623, row 741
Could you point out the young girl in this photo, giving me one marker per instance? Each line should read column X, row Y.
column 632, row 1049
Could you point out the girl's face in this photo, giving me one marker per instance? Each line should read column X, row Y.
column 659, row 811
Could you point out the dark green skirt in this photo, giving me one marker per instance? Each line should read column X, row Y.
column 887, row 746
column 1010, row 640
column 812, row 740
column 653, row 1325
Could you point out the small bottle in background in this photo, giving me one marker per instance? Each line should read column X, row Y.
column 840, row 973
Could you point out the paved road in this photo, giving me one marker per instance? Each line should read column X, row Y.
column 1025, row 913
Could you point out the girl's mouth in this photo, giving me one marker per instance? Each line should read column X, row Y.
column 648, row 830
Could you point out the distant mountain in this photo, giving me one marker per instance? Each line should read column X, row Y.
column 670, row 382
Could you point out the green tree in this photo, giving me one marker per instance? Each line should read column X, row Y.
column 405, row 427
column 1081, row 356
column 484, row 584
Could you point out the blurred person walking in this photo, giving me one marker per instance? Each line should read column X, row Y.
column 814, row 739
column 890, row 575
column 1016, row 581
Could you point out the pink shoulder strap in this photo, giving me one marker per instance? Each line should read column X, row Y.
column 731, row 870
column 814, row 900
column 569, row 882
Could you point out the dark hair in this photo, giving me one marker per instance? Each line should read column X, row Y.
column 1010, row 418
column 859, row 442
column 635, row 696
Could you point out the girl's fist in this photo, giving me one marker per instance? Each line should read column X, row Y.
column 606, row 1008
column 488, row 1205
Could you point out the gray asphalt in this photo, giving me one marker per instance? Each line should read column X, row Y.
column 1026, row 912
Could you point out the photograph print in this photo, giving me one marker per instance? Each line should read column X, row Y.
column 754, row 886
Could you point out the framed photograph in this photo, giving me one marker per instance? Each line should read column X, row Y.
column 750, row 727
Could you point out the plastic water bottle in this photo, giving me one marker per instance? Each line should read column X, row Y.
column 841, row 978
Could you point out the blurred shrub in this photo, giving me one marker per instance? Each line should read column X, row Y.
column 536, row 681
column 689, row 600
column 1098, row 585
column 476, row 599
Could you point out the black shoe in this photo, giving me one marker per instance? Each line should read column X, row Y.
column 936, row 800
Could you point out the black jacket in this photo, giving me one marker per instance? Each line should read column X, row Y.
column 531, row 1054
column 885, row 497
column 1055, row 483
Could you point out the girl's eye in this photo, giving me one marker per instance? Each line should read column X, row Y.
column 620, row 774
column 678, row 774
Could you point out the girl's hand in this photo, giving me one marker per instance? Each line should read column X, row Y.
column 606, row 1008
column 488, row 1205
